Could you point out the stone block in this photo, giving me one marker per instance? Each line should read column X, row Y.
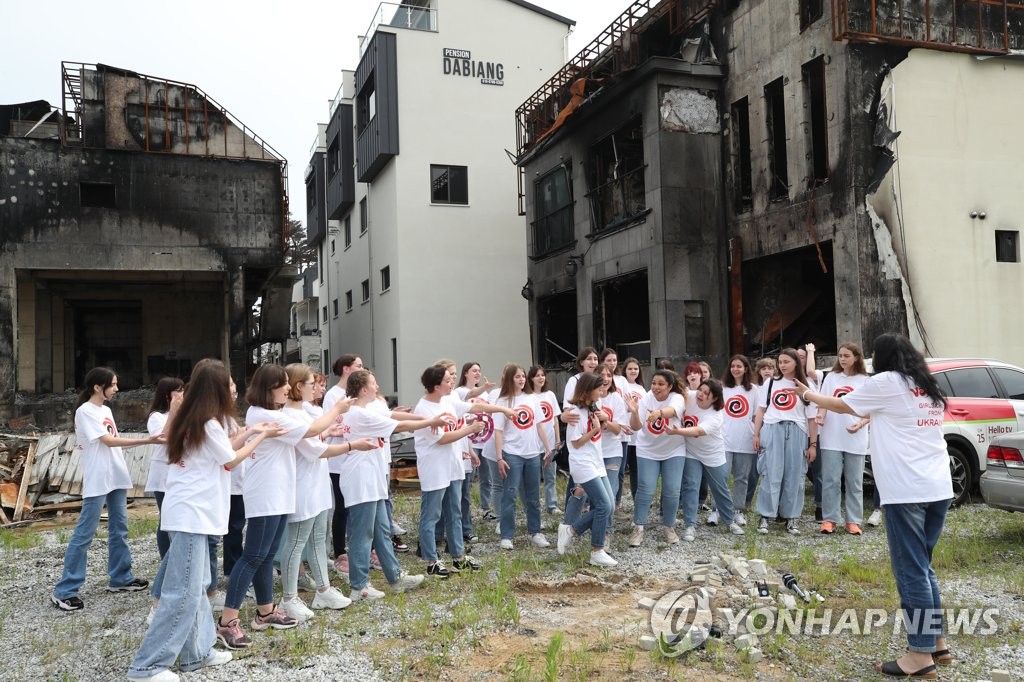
column 747, row 641
column 758, row 567
column 754, row 655
column 647, row 603
column 704, row 569
column 787, row 601
column 1000, row 676
column 698, row 579
column 648, row 642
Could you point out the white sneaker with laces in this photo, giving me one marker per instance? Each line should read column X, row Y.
column 162, row 676
column 396, row 529
column 671, row 537
column 875, row 518
column 406, row 582
column 505, row 544
column 762, row 526
column 792, row 528
column 713, row 518
column 218, row 658
column 297, row 609
column 601, row 558
column 740, row 519
column 565, row 537
column 330, row 599
column 735, row 529
column 368, row 593
column 689, row 534
column 538, row 540
column 636, row 538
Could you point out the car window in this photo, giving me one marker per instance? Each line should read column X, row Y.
column 1012, row 380
column 971, row 382
column 943, row 382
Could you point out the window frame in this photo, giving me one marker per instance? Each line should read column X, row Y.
column 451, row 178
column 365, row 290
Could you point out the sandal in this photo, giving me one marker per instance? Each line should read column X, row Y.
column 943, row 657
column 893, row 669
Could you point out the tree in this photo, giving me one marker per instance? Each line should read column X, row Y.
column 298, row 251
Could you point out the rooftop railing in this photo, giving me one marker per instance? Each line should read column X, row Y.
column 395, row 15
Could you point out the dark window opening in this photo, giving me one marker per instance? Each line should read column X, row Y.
column 348, row 231
column 813, row 73
column 1012, row 381
column 327, row 358
column 332, row 247
column 616, row 177
column 775, row 117
column 366, row 104
column 743, row 184
column 553, row 208
column 449, row 184
column 348, row 300
column 109, row 334
column 334, row 307
column 385, row 278
column 810, row 12
column 622, row 316
column 364, row 218
column 557, row 337
column 325, row 313
column 1007, row 246
column 97, row 195
column 366, row 290
column 333, row 158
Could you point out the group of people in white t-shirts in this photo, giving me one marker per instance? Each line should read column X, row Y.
column 301, row 476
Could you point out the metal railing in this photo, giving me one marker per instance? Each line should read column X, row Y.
column 395, row 15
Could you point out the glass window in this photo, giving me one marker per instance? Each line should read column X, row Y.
column 385, row 278
column 449, row 184
column 348, row 231
column 348, row 300
column 1012, row 380
column 366, row 290
column 553, row 207
column 972, row 382
column 364, row 218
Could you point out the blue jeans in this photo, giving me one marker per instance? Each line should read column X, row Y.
column 119, row 557
column 550, row 477
column 236, row 529
column 431, row 502
column 741, row 464
column 782, row 467
column 182, row 626
column 835, row 466
column 602, row 506
column 671, row 472
column 158, row 582
column 467, row 517
column 622, row 474
column 613, row 466
column 484, row 472
column 717, row 479
column 163, row 541
column 368, row 527
column 755, row 477
column 912, row 530
column 522, row 471
column 256, row 565
column 312, row 534
column 815, row 468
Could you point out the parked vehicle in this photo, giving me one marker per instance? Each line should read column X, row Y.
column 1002, row 483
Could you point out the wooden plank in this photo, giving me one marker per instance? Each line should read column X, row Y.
column 48, row 446
column 3, row 517
column 30, row 458
column 60, row 506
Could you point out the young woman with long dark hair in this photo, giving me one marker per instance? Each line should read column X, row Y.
column 537, row 385
column 634, row 390
column 166, row 399
column 740, row 394
column 474, row 386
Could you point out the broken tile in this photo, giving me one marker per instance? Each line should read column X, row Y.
column 648, row 642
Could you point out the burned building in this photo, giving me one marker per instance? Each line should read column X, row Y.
column 140, row 224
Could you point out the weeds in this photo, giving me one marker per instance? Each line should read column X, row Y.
column 554, row 657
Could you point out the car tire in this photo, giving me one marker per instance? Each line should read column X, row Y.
column 962, row 473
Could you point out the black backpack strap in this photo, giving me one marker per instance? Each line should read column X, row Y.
column 768, row 400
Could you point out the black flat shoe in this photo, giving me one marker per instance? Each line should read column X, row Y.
column 893, row 669
column 943, row 657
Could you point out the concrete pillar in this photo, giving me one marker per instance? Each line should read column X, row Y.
column 8, row 358
column 238, row 326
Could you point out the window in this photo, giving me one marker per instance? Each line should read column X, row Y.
column 385, row 278
column 1012, row 381
column 311, row 193
column 334, row 157
column 322, row 265
column 615, row 174
column 813, row 73
column 972, row 382
column 1007, row 246
column 618, row 322
column 556, row 328
column 97, row 195
column 348, row 300
column 325, row 313
column 810, row 12
column 553, row 208
column 364, row 219
column 775, row 117
column 449, row 184
column 743, row 186
column 348, row 230
column 332, row 247
column 366, row 290
column 366, row 103
column 334, row 307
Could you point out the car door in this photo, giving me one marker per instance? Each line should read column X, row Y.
column 1011, row 380
column 978, row 407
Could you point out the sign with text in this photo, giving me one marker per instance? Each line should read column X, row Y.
column 461, row 63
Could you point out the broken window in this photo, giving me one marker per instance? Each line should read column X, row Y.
column 553, row 227
column 813, row 73
column 97, row 195
column 1007, row 246
column 616, row 177
column 449, row 184
column 810, row 12
column 557, row 338
column 695, row 327
column 108, row 334
column 743, row 186
column 622, row 316
column 775, row 118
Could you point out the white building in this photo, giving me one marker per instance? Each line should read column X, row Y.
column 411, row 195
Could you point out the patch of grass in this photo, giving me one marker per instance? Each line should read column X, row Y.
column 629, row 658
column 19, row 539
column 554, row 657
column 521, row 669
column 142, row 527
column 583, row 664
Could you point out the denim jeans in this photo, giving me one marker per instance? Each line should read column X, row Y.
column 158, row 582
column 741, row 464
column 550, row 479
column 782, row 467
column 312, row 533
column 815, row 468
column 440, row 530
column 523, row 473
column 340, row 518
column 256, row 565
column 574, row 502
column 912, row 530
column 236, row 529
column 484, row 472
column 602, row 506
column 612, row 466
column 835, row 466
column 671, row 472
column 622, row 474
column 182, row 627
column 431, row 502
column 497, row 485
column 163, row 541
column 752, row 481
column 368, row 528
column 119, row 557
column 634, row 476
column 718, row 482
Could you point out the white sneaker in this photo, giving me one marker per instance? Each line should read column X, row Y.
column 396, row 529
column 538, row 540
column 670, row 536
column 297, row 609
column 875, row 518
column 689, row 534
column 740, row 519
column 218, row 658
column 162, row 676
column 735, row 529
column 792, row 528
column 601, row 558
column 762, row 526
column 406, row 582
column 505, row 544
column 636, row 538
column 150, row 615
column 713, row 518
column 305, row 582
column 565, row 537
column 217, row 601
column 251, row 593
column 368, row 593
column 330, row 599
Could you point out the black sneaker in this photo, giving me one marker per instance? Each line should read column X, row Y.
column 400, row 547
column 470, row 539
column 489, row 515
column 69, row 604
column 438, row 569
column 467, row 563
column 419, row 552
column 135, row 585
column 817, row 514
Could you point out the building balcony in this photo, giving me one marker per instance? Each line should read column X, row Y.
column 414, row 15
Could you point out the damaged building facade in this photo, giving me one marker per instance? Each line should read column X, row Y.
column 140, row 224
column 864, row 171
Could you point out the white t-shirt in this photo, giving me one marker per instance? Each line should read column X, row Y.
column 103, row 468
column 330, row 398
column 833, row 434
column 587, row 462
column 652, row 440
column 613, row 405
column 312, row 479
column 570, row 388
column 637, row 392
column 487, row 450
column 238, row 473
column 784, row 407
column 314, row 411
column 908, row 452
column 438, row 465
column 155, row 482
column 269, row 487
column 708, row 449
column 198, row 497
column 364, row 476
column 520, row 435
column 738, row 422
column 548, row 416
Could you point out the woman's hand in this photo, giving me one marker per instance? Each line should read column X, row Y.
column 268, row 429
column 362, row 444
column 335, row 431
column 503, row 468
column 571, row 417
column 812, row 452
column 651, row 418
column 798, row 391
column 488, row 385
column 757, row 442
column 341, row 407
column 857, row 426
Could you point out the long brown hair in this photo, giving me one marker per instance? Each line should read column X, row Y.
column 266, row 379
column 207, row 396
column 162, row 395
column 858, row 359
column 297, row 373
column 508, row 376
column 748, row 372
column 97, row 376
column 799, row 374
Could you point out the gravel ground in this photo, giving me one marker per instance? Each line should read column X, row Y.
column 41, row 643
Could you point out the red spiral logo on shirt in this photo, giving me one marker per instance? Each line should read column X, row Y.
column 594, row 423
column 690, row 420
column 109, row 425
column 546, row 411
column 658, row 426
column 737, row 407
column 485, row 435
column 522, row 417
column 783, row 401
column 842, row 390
column 607, row 411
column 450, row 422
column 380, row 442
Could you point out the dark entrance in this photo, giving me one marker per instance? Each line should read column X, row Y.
column 108, row 334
